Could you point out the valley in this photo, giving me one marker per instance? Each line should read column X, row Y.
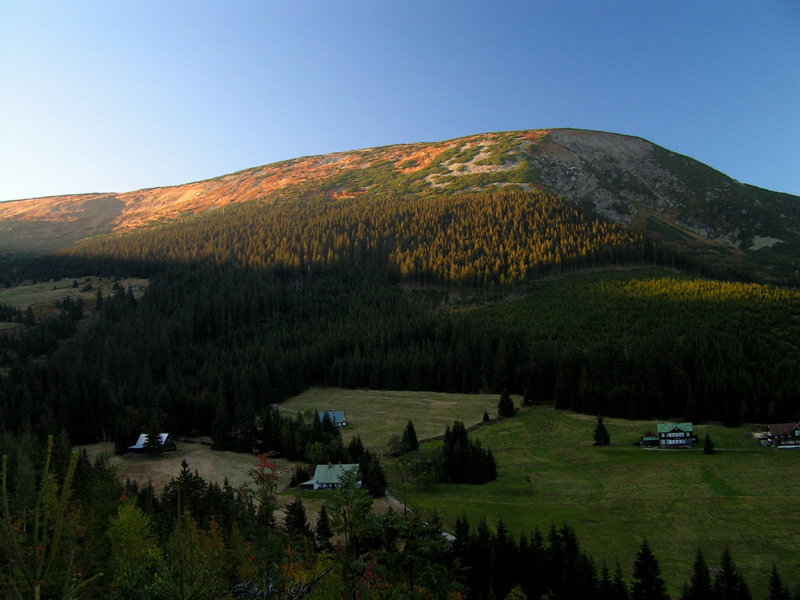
column 550, row 473
column 583, row 273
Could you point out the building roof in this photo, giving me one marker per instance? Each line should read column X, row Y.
column 139, row 445
column 667, row 427
column 337, row 416
column 330, row 474
column 783, row 429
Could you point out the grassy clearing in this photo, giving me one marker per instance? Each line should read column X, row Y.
column 743, row 495
column 43, row 295
column 614, row 496
column 377, row 415
column 212, row 465
column 46, row 292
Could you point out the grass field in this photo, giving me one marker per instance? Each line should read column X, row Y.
column 47, row 292
column 377, row 415
column 742, row 496
column 213, row 466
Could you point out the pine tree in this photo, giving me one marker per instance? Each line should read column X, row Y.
column 355, row 449
column 777, row 590
column 601, row 436
column 35, row 555
column 729, row 583
column 152, row 443
column 619, row 584
column 700, row 586
column 647, row 581
column 708, row 446
column 323, row 532
column 372, row 475
column 30, row 320
column 409, row 442
column 605, row 585
column 505, row 408
column 295, row 522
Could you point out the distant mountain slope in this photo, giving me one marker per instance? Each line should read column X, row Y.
column 629, row 180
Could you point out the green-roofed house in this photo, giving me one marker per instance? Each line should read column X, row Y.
column 676, row 435
column 328, row 477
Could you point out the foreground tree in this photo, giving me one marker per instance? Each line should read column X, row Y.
column 264, row 477
column 33, row 543
column 352, row 518
column 729, row 583
column 295, row 522
column 700, row 586
column 647, row 581
column 135, row 554
column 323, row 532
column 194, row 565
column 777, row 590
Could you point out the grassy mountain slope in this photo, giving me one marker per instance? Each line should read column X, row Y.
column 629, row 180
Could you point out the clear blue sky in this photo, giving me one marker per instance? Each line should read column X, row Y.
column 120, row 95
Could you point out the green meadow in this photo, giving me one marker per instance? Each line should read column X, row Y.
column 549, row 472
column 377, row 415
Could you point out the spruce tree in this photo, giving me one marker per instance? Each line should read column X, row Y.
column 295, row 522
column 372, row 474
column 647, row 581
column 505, row 408
column 409, row 442
column 152, row 444
column 605, row 585
column 323, row 532
column 729, row 583
column 355, row 449
column 777, row 590
column 708, row 446
column 700, row 585
column 30, row 320
column 601, row 436
column 619, row 584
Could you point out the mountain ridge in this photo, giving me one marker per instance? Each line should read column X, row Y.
column 628, row 179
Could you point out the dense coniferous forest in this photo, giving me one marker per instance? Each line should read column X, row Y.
column 248, row 306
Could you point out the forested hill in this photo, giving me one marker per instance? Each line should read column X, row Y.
column 469, row 238
column 447, row 267
column 250, row 305
column 630, row 181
